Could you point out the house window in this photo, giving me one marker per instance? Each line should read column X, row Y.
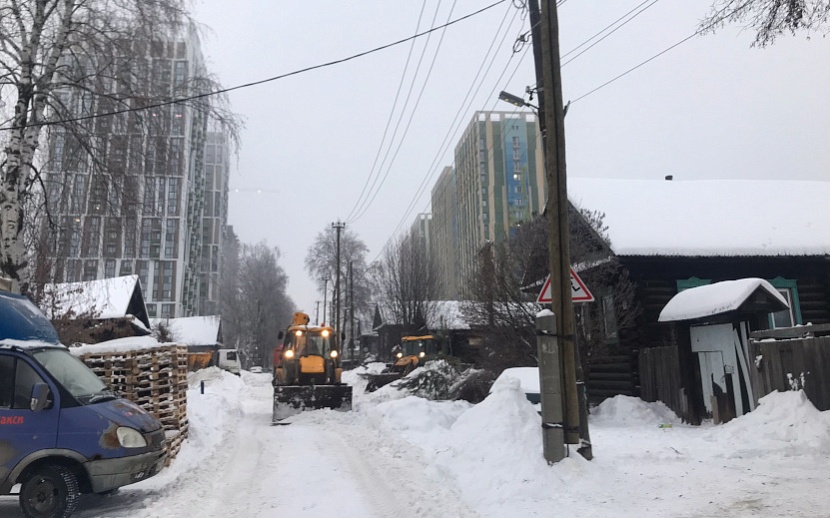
column 609, row 318
column 786, row 317
column 109, row 268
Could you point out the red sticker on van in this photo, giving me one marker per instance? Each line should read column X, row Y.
column 15, row 419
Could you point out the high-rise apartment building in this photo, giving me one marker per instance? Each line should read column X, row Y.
column 497, row 184
column 214, row 220
column 444, row 237
column 138, row 206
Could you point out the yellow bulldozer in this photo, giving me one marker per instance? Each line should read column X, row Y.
column 307, row 370
column 413, row 352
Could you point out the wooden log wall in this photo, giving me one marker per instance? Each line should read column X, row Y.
column 153, row 378
column 609, row 376
column 774, row 360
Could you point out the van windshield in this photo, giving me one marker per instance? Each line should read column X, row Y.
column 73, row 374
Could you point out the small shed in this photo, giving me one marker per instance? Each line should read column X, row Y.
column 98, row 310
column 201, row 334
column 713, row 324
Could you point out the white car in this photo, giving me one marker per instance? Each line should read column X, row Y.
column 256, row 369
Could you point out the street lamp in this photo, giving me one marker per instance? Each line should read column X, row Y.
column 515, row 100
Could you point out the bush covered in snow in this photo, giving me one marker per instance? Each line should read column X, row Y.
column 440, row 380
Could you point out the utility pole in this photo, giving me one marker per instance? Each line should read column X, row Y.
column 325, row 293
column 557, row 212
column 317, row 313
column 338, row 226
column 351, row 313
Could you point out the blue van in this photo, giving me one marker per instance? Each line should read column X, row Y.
column 62, row 432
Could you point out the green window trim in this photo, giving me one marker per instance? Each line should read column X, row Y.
column 792, row 285
column 691, row 282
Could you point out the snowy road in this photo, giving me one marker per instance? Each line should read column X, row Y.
column 324, row 464
column 398, row 455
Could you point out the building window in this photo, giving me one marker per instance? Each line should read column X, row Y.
column 144, row 250
column 109, row 268
column 170, row 237
column 151, row 310
column 609, row 318
column 155, row 239
column 93, row 236
column 129, row 237
column 126, row 268
column 168, row 310
column 143, row 268
column 173, row 196
column 90, row 270
column 786, row 317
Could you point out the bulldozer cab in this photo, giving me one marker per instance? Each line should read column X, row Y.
column 419, row 346
column 311, row 341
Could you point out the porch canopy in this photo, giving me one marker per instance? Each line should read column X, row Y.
column 741, row 296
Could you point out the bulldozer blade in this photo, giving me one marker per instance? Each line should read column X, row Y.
column 292, row 399
column 384, row 378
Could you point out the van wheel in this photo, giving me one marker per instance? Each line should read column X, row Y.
column 49, row 492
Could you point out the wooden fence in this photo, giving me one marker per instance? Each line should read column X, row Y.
column 660, row 380
column 153, row 378
column 781, row 364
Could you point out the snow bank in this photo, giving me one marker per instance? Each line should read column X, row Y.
column 784, row 422
column 631, row 411
column 500, row 437
column 354, row 376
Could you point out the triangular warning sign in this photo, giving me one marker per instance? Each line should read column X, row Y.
column 579, row 291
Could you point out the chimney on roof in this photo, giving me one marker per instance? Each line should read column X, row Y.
column 669, row 177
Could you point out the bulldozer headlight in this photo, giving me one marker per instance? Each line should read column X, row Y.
column 399, row 355
column 289, row 353
column 325, row 333
column 333, row 353
column 421, row 354
column 298, row 333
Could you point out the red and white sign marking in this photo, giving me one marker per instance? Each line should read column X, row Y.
column 579, row 291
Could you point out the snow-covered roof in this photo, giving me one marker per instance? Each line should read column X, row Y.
column 202, row 330
column 709, row 217
column 447, row 315
column 103, row 298
column 714, row 299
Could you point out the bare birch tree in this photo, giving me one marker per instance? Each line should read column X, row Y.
column 405, row 284
column 77, row 68
column 321, row 264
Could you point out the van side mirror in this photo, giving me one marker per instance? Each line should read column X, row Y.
column 280, row 335
column 40, row 397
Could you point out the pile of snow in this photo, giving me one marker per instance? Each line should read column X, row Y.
column 785, row 422
column 632, row 411
column 119, row 345
column 356, row 377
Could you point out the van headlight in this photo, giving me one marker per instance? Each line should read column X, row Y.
column 130, row 438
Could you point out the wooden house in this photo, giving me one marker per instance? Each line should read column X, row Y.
column 673, row 235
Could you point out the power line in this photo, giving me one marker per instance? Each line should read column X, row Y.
column 605, row 29
column 464, row 102
column 180, row 100
column 391, row 114
column 369, row 200
column 429, row 176
column 717, row 20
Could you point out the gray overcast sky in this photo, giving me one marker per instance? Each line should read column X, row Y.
column 711, row 108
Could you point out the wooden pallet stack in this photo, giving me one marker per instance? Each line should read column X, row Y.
column 155, row 378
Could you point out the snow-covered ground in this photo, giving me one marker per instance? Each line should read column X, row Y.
column 402, row 456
